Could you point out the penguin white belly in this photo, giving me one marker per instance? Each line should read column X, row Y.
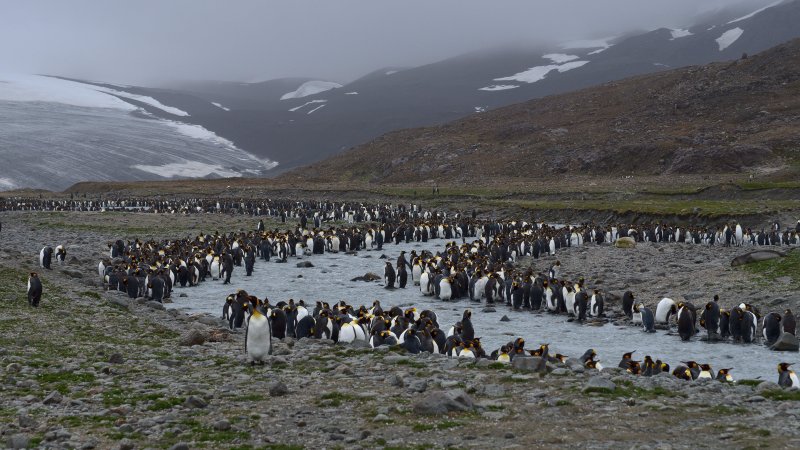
column 705, row 374
column 592, row 305
column 663, row 309
column 637, row 317
column 451, row 331
column 215, row 270
column 466, row 353
column 570, row 301
column 301, row 312
column 101, row 269
column 795, row 381
column 298, row 249
column 347, row 333
column 423, row 283
column 504, row 358
column 416, row 273
column 41, row 258
column 258, row 338
column 549, row 300
column 445, row 292
column 552, row 247
column 480, row 287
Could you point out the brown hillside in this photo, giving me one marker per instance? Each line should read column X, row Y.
column 727, row 117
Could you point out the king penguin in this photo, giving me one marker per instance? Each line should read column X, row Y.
column 258, row 337
column 34, row 290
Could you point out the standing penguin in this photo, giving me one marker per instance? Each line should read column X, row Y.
column 34, row 290
column 685, row 324
column 711, row 319
column 582, row 305
column 627, row 304
column 787, row 377
column 648, row 320
column 389, row 275
column 664, row 309
column 46, row 257
column 789, row 323
column 402, row 276
column 258, row 337
column 749, row 326
column 597, row 304
column 771, row 327
column 61, row 254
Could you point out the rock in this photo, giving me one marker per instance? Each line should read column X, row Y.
column 183, row 295
column 758, row 255
column 222, row 425
column 488, row 309
column 13, row 368
column 756, row 399
column 121, row 302
column 194, row 401
column 505, row 319
column 494, row 390
column 74, row 260
column 598, row 383
column 304, row 265
column 116, row 358
column 396, row 359
column 369, row 276
column 528, row 364
column 380, row 418
column 396, row 380
column 787, row 342
column 152, row 304
column 767, row 386
column 53, row 398
column 559, row 372
column 625, row 242
column 509, row 436
column 180, row 446
column 418, row 386
column 26, row 420
column 126, row 444
column 439, row 402
column 278, row 389
column 343, row 369
column 18, row 440
column 193, row 337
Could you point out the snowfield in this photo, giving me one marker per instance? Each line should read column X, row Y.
column 729, row 37
column 310, row 88
column 538, row 73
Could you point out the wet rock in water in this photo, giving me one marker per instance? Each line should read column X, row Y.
column 488, row 309
column 439, row 402
column 505, row 319
column 598, row 383
column 382, row 257
column 183, row 296
column 787, row 342
column 304, row 265
column 193, row 337
column 369, row 276
column 625, row 242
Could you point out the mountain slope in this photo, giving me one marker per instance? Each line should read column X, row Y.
column 720, row 118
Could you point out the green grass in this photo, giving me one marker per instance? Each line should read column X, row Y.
column 167, row 403
column 773, row 269
column 749, row 382
column 723, row 410
column 91, row 294
column 782, row 395
column 65, row 377
column 336, row 398
column 626, row 389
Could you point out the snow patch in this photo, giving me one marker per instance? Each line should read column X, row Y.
column 143, row 99
column 729, row 37
column 318, row 107
column 220, row 106
column 559, row 58
column 480, row 109
column 755, row 12
column 306, row 104
column 538, row 73
column 391, row 72
column 311, row 88
column 37, row 88
column 351, row 93
column 189, row 169
column 498, row 87
column 660, row 65
column 677, row 33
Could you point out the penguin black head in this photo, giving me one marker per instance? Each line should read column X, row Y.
column 691, row 364
column 783, row 367
column 628, row 355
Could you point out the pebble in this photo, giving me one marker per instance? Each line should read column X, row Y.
column 18, row 440
column 194, row 401
column 278, row 389
column 52, row 398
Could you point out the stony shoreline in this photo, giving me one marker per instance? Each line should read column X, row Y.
column 92, row 369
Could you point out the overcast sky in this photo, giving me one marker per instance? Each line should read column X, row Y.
column 151, row 41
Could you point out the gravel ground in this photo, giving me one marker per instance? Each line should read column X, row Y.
column 91, row 369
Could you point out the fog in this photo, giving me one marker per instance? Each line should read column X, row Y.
column 151, row 42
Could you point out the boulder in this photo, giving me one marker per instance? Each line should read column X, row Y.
column 152, row 304
column 758, row 255
column 599, row 384
column 439, row 402
column 304, row 265
column 368, row 277
column 625, row 242
column 278, row 389
column 193, row 337
column 529, row 364
column 787, row 342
